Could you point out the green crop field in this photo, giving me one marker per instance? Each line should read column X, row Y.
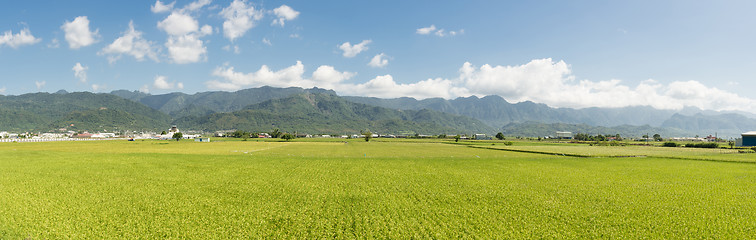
column 381, row 189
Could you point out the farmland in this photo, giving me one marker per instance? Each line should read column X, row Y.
column 378, row 189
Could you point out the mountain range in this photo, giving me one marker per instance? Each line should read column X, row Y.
column 323, row 111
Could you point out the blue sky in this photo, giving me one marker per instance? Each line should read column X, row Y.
column 666, row 54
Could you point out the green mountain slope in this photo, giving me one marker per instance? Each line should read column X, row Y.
column 180, row 105
column 87, row 111
column 327, row 113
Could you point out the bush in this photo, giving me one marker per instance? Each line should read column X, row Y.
column 702, row 145
column 670, row 144
column 508, row 143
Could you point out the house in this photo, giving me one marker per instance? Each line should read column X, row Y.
column 201, row 139
column 748, row 139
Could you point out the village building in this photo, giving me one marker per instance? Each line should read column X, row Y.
column 748, row 139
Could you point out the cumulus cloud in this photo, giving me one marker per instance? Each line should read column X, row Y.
column 178, row 24
column 186, row 49
column 130, row 43
column 2, row 90
column 426, row 30
column 184, row 44
column 145, row 89
column 284, row 13
column 267, row 42
column 159, row 7
column 24, row 37
column 327, row 76
column 385, row 87
column 352, row 50
column 78, row 34
column 290, row 76
column 438, row 32
column 240, row 17
column 80, row 72
column 40, row 85
column 552, row 83
column 98, row 87
column 378, row 61
column 162, row 83
column 540, row 80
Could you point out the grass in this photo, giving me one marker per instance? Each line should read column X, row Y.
column 379, row 189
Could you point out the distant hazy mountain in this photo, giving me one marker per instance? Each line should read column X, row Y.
column 328, row 113
column 86, row 111
column 533, row 129
column 497, row 112
column 728, row 125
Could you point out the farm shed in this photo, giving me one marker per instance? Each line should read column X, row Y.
column 564, row 135
column 749, row 138
column 201, row 139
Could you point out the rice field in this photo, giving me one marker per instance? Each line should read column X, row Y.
column 379, row 189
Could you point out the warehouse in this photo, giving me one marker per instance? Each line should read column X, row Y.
column 749, row 139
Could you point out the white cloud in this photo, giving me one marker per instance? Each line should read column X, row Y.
column 549, row 82
column 240, row 17
column 351, row 51
column 145, row 89
column 159, row 7
column 24, row 37
column 186, row 49
column 385, row 87
column 40, row 85
column 328, row 75
column 378, row 61
column 290, row 76
column 160, row 82
column 178, row 24
column 426, row 30
column 197, row 5
column 184, row 43
column 236, row 49
column 540, row 80
column 80, row 72
column 267, row 42
column 284, row 13
column 54, row 43
column 98, row 87
column 438, row 32
column 2, row 90
column 78, row 34
column 130, row 43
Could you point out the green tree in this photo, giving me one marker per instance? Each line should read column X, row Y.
column 275, row 133
column 456, row 138
column 178, row 136
column 162, row 133
column 287, row 137
column 368, row 135
column 657, row 137
column 731, row 143
column 500, row 136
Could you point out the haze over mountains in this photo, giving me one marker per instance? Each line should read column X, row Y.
column 323, row 111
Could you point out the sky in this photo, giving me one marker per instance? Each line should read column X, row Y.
column 577, row 54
